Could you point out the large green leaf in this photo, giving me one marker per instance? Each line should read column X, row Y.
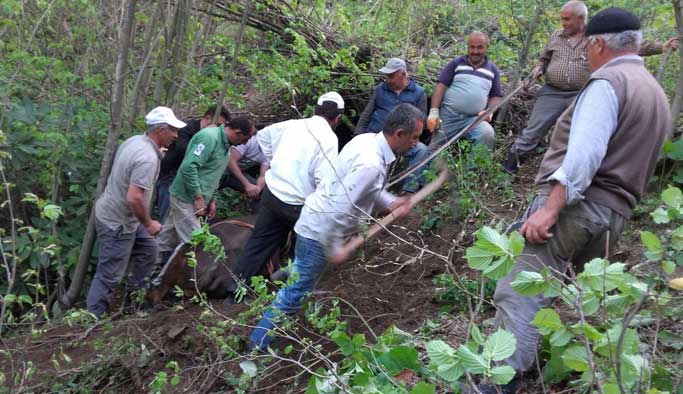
column 672, row 197
column 529, row 283
column 478, row 258
column 440, row 352
column 451, row 372
column 547, row 321
column 423, row 388
column 575, row 358
column 560, row 337
column 655, row 251
column 473, row 363
column 660, row 216
column 400, row 358
column 516, row 243
column 599, row 273
column 500, row 268
column 492, row 240
column 502, row 374
column 500, row 345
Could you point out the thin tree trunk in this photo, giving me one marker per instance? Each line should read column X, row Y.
column 182, row 16
column 523, row 56
column 164, row 58
column 139, row 92
column 227, row 77
column 676, row 103
column 116, row 106
column 662, row 65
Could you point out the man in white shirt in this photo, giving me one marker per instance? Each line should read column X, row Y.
column 349, row 192
column 298, row 150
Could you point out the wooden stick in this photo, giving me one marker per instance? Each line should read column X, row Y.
column 358, row 240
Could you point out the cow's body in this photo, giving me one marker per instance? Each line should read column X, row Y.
column 211, row 276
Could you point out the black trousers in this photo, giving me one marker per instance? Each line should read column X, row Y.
column 274, row 222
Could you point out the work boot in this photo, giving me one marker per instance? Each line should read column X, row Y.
column 490, row 388
column 511, row 163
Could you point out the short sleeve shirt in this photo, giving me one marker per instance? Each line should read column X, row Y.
column 468, row 87
column 137, row 163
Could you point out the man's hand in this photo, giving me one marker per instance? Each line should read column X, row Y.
column 400, row 207
column 433, row 121
column 211, row 212
column 153, row 227
column 537, row 227
column 339, row 257
column 199, row 205
column 253, row 191
column 489, row 118
column 671, row 43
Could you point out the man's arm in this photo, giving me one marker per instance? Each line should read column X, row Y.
column 235, row 169
column 261, row 181
column 437, row 96
column 136, row 201
column 649, row 48
column 364, row 119
column 593, row 123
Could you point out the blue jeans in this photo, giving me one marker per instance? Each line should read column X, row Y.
column 163, row 197
column 309, row 263
column 415, row 180
column 453, row 122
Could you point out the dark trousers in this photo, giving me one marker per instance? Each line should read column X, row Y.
column 274, row 222
column 163, row 197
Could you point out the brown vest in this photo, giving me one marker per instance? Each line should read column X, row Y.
column 642, row 122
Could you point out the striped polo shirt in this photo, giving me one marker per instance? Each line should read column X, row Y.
column 469, row 88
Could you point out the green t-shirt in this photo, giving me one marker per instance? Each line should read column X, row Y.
column 206, row 158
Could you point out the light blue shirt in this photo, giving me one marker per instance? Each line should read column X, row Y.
column 348, row 192
column 593, row 123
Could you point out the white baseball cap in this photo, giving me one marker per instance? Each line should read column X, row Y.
column 334, row 97
column 163, row 115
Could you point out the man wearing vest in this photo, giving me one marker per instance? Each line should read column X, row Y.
column 602, row 152
column 398, row 88
column 194, row 187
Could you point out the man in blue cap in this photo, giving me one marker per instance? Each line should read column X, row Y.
column 602, row 153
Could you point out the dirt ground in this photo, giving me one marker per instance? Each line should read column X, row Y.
column 391, row 283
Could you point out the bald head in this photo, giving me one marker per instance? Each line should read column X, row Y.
column 477, row 48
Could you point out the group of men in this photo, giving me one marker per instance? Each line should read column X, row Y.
column 611, row 121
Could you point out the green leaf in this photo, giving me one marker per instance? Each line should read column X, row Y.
column 516, row 243
column 677, row 238
column 9, row 299
column 399, row 358
column 249, row 368
column 529, row 283
column 491, row 240
column 599, row 274
column 547, row 321
column 52, row 211
column 476, row 335
column 502, row 374
column 477, row 258
column 668, row 267
column 500, row 345
column 575, row 358
column 451, row 372
column 440, row 353
column 653, row 245
column 473, row 363
column 660, row 216
column 560, row 337
column 672, row 197
column 423, row 388
column 500, row 268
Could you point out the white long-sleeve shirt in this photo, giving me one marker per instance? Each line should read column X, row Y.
column 298, row 151
column 348, row 193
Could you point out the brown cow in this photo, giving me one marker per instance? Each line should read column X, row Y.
column 208, row 276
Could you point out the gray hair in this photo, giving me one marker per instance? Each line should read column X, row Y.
column 628, row 40
column 156, row 127
column 577, row 7
column 476, row 33
column 405, row 116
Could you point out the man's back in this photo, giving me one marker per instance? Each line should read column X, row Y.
column 298, row 149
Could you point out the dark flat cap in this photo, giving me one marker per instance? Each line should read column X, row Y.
column 612, row 20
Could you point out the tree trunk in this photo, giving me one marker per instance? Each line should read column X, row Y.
column 116, row 106
column 181, row 19
column 676, row 103
column 227, row 76
column 523, row 56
